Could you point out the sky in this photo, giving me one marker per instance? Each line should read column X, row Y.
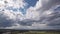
column 30, row 14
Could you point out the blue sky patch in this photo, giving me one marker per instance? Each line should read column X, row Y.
column 22, row 10
column 57, row 9
column 31, row 2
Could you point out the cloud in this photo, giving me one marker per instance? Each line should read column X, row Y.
column 9, row 17
column 4, row 21
column 33, row 26
column 48, row 15
column 38, row 5
column 41, row 16
column 47, row 4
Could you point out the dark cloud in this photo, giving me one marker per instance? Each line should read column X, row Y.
column 47, row 4
column 28, row 22
column 4, row 22
column 54, row 20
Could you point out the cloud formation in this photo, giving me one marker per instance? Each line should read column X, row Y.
column 42, row 16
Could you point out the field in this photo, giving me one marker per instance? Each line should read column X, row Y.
column 38, row 32
column 29, row 31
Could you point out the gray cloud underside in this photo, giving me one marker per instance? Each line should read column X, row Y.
column 46, row 5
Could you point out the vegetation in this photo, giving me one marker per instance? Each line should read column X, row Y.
column 37, row 32
column 30, row 31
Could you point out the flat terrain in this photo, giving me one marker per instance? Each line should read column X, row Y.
column 3, row 31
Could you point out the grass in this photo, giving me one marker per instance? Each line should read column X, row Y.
column 30, row 31
column 37, row 32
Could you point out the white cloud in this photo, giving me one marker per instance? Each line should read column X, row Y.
column 17, row 3
column 38, row 4
column 32, row 14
